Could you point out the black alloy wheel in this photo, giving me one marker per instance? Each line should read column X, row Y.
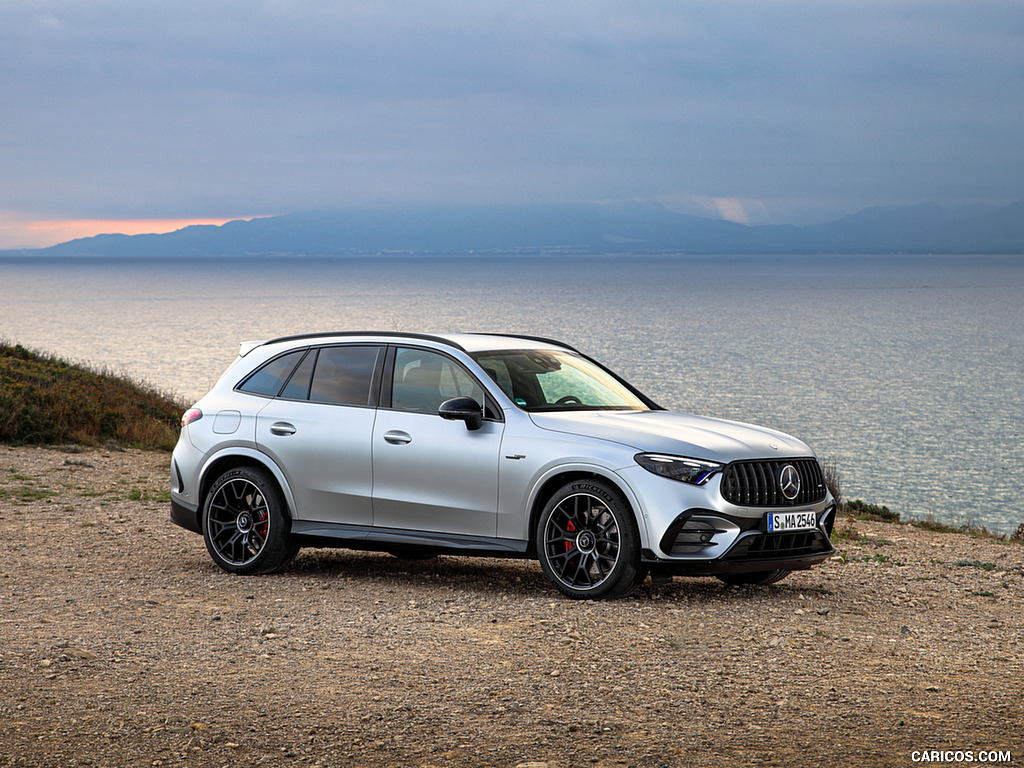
column 588, row 543
column 245, row 525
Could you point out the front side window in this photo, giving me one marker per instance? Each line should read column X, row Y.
column 422, row 380
column 538, row 380
column 344, row 375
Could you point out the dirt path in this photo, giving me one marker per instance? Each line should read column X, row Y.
column 122, row 645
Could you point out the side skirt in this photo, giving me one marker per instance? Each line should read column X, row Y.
column 309, row 533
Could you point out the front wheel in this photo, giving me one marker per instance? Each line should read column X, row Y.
column 245, row 526
column 588, row 543
column 757, row 578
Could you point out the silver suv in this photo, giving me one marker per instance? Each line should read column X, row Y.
column 493, row 445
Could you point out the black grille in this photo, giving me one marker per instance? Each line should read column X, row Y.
column 756, row 483
column 779, row 545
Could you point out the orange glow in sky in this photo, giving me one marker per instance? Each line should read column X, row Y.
column 17, row 232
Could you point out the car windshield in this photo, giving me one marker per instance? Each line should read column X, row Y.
column 552, row 380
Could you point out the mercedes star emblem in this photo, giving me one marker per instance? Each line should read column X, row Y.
column 789, row 481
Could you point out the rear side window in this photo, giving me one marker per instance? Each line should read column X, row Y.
column 297, row 387
column 344, row 375
column 270, row 377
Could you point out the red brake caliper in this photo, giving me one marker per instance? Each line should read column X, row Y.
column 572, row 529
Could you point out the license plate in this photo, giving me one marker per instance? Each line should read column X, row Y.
column 791, row 521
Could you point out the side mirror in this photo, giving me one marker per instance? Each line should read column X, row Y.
column 462, row 409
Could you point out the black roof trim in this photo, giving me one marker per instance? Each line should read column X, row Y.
column 388, row 334
column 541, row 339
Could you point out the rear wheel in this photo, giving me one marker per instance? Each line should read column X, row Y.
column 588, row 543
column 758, row 578
column 245, row 526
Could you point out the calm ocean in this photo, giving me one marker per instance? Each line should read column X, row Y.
column 909, row 370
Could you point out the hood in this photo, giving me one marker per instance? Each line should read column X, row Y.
column 678, row 434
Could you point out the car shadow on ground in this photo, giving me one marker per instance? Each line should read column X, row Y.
column 491, row 578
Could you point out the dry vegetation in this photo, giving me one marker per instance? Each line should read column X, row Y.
column 46, row 400
column 122, row 645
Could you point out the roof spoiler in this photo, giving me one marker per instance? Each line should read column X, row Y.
column 245, row 347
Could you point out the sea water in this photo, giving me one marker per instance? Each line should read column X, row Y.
column 907, row 370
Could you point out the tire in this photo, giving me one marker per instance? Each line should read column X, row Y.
column 588, row 543
column 757, row 578
column 245, row 524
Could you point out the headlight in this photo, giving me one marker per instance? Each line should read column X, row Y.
column 692, row 471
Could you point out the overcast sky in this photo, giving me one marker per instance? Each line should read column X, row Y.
column 756, row 110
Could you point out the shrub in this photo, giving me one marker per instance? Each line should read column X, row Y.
column 871, row 511
column 833, row 480
column 46, row 400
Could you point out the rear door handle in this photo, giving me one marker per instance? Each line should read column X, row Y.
column 395, row 437
column 282, row 428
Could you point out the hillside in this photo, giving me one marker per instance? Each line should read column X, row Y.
column 46, row 400
column 592, row 228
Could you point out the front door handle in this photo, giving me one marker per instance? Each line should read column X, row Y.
column 395, row 437
column 282, row 428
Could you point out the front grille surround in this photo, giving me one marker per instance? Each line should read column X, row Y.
column 755, row 483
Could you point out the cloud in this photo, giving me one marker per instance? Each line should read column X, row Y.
column 16, row 231
column 116, row 109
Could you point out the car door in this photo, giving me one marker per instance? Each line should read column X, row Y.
column 431, row 474
column 319, row 432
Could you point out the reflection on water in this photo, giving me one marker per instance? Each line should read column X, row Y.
column 907, row 369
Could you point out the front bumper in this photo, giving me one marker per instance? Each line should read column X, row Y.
column 748, row 547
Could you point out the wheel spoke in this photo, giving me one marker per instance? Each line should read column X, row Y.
column 255, row 541
column 582, row 577
column 238, row 521
column 565, row 532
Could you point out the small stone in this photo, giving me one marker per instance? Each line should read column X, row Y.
column 80, row 653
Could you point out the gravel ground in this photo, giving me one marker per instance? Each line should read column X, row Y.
column 121, row 644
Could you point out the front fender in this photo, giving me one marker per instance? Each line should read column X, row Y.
column 556, row 475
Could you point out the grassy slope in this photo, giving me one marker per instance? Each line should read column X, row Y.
column 45, row 400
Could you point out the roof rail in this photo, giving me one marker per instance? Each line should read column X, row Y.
column 541, row 339
column 389, row 334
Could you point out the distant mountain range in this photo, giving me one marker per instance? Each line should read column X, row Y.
column 569, row 228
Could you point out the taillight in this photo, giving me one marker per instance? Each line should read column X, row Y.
column 192, row 414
